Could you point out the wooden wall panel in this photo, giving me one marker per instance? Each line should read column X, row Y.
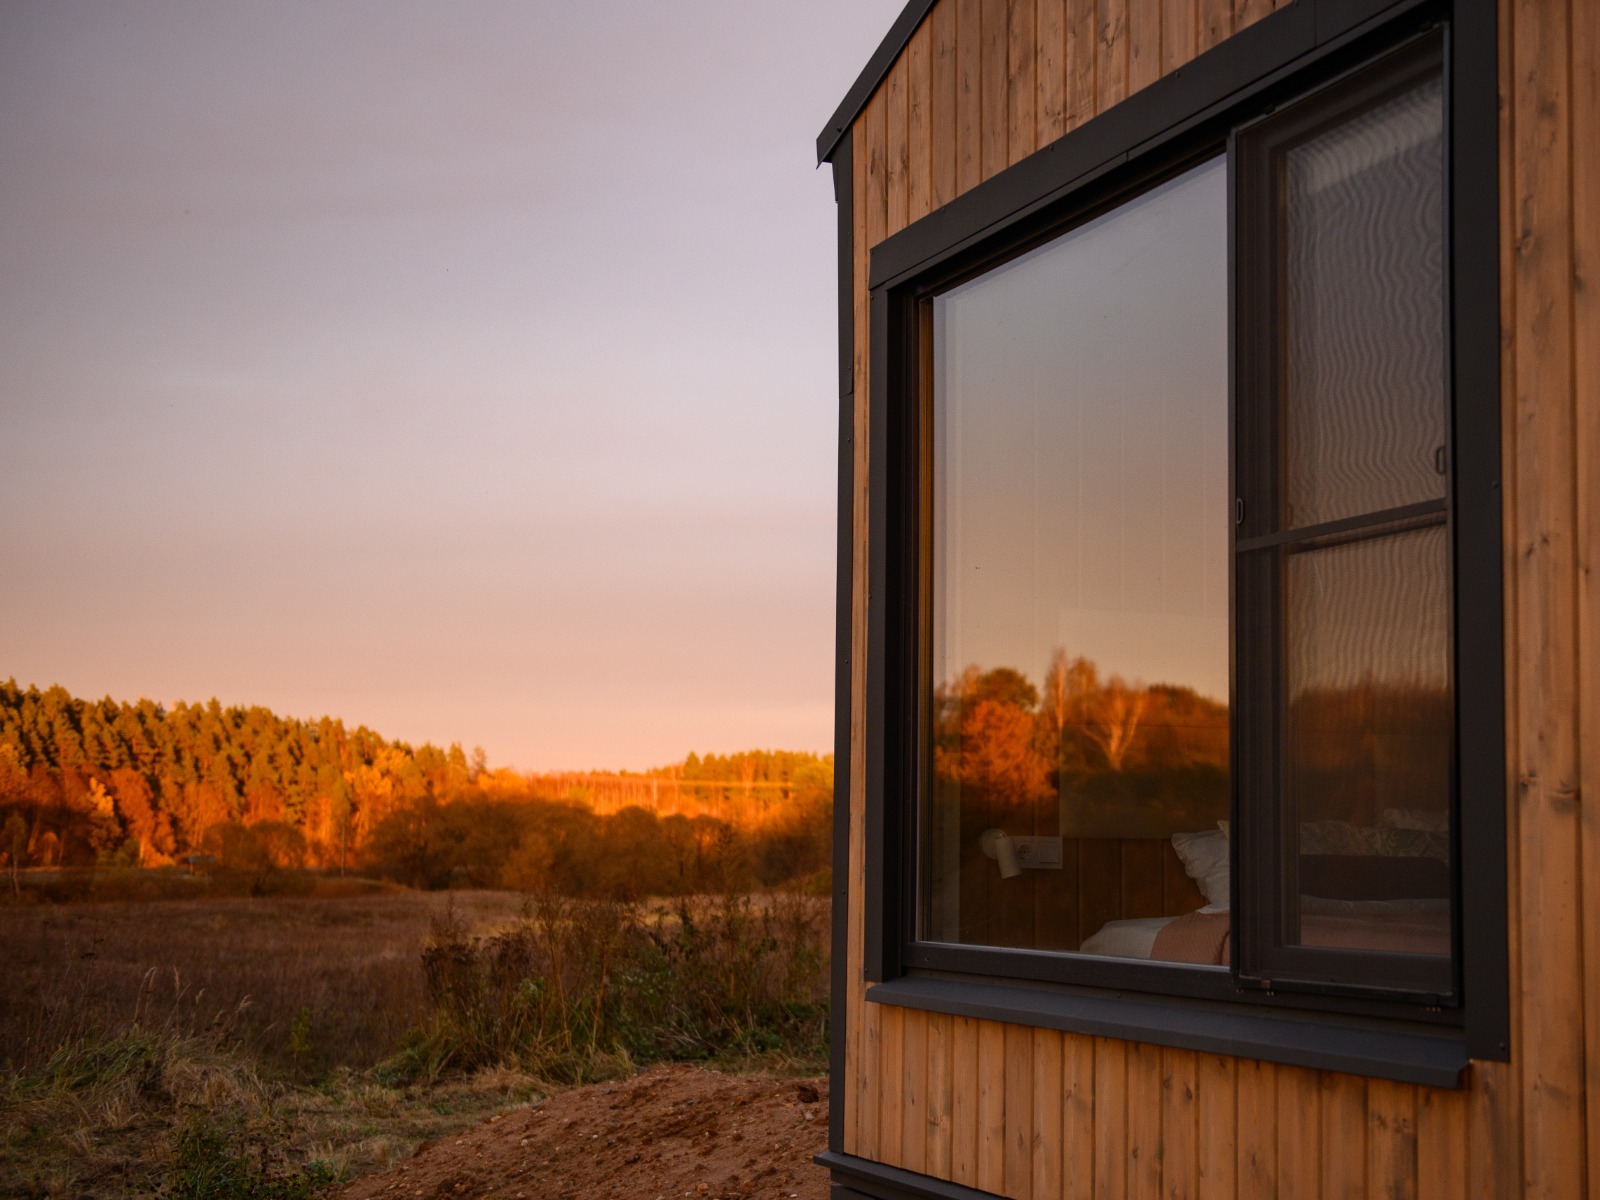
column 1585, row 44
column 941, row 1097
column 1180, row 1165
column 1550, row 1051
column 1078, row 1173
column 1299, row 1161
column 1110, row 1119
column 1045, row 1149
column 1018, row 1168
column 1037, row 1114
column 1342, row 1114
column 1217, row 1126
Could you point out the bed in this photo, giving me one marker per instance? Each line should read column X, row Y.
column 1369, row 888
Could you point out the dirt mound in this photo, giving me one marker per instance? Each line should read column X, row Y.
column 669, row 1133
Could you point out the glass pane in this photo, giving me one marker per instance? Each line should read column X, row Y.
column 1364, row 371
column 1079, row 653
column 1369, row 743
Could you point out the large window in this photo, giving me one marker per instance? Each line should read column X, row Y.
column 1172, row 565
column 1078, row 563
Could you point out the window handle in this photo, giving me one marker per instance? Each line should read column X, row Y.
column 1238, row 510
column 1439, row 463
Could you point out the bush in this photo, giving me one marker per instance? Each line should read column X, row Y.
column 580, row 989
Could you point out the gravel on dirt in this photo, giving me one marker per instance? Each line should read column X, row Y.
column 666, row 1134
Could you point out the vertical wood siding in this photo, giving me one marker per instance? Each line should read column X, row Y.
column 1037, row 1114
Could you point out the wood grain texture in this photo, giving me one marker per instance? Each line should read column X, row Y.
column 1213, row 22
column 991, row 1174
column 919, row 123
column 1299, row 1134
column 1179, row 30
column 1111, row 63
column 1144, row 1121
column 1392, row 1139
column 994, row 50
column 1022, row 131
column 1180, row 1165
column 1019, row 1113
column 1082, row 58
column 1441, row 1144
column 969, row 93
column 1078, row 1167
column 1248, row 12
column 944, row 82
column 891, row 1072
column 941, row 1096
column 1585, row 68
column 897, row 153
column 1546, row 620
column 1045, row 1148
column 1257, row 1135
column 1342, row 1112
column 1144, row 43
column 1110, row 1119
column 965, row 1115
column 1050, row 69
column 914, row 1091
column 1217, row 1125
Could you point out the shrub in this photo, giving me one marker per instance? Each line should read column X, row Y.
column 578, row 989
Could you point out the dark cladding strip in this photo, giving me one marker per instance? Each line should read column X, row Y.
column 862, row 1179
column 1299, row 1040
column 844, row 194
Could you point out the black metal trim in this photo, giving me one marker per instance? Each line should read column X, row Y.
column 1474, row 217
column 843, row 612
column 1320, row 1041
column 1178, row 980
column 1389, row 520
column 881, row 949
column 854, row 1177
column 838, row 127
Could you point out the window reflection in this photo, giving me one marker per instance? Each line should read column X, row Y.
column 1079, row 590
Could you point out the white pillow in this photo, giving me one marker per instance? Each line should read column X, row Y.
column 1205, row 860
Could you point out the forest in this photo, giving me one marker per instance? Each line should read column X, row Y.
column 244, row 790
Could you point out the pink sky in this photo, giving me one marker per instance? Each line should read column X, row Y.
column 462, row 370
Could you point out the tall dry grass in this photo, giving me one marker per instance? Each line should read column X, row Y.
column 302, row 985
column 579, row 989
column 253, row 1048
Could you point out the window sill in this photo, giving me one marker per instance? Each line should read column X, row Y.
column 1382, row 1050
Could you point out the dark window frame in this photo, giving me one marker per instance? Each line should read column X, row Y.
column 1267, row 866
column 1177, row 122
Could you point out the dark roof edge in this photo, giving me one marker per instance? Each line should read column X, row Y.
column 871, row 76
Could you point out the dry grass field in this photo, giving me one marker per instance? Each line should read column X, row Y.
column 304, row 985
column 223, row 1048
column 261, row 1049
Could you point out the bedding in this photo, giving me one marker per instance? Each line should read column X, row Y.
column 1365, row 889
column 1392, row 926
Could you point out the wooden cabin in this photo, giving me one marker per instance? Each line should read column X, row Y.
column 1219, row 602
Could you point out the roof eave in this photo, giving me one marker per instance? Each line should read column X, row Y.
column 871, row 76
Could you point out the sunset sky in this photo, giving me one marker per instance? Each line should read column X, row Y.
column 464, row 370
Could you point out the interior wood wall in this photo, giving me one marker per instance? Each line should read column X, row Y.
column 1036, row 1114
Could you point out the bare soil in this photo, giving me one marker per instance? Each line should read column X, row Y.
column 669, row 1133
